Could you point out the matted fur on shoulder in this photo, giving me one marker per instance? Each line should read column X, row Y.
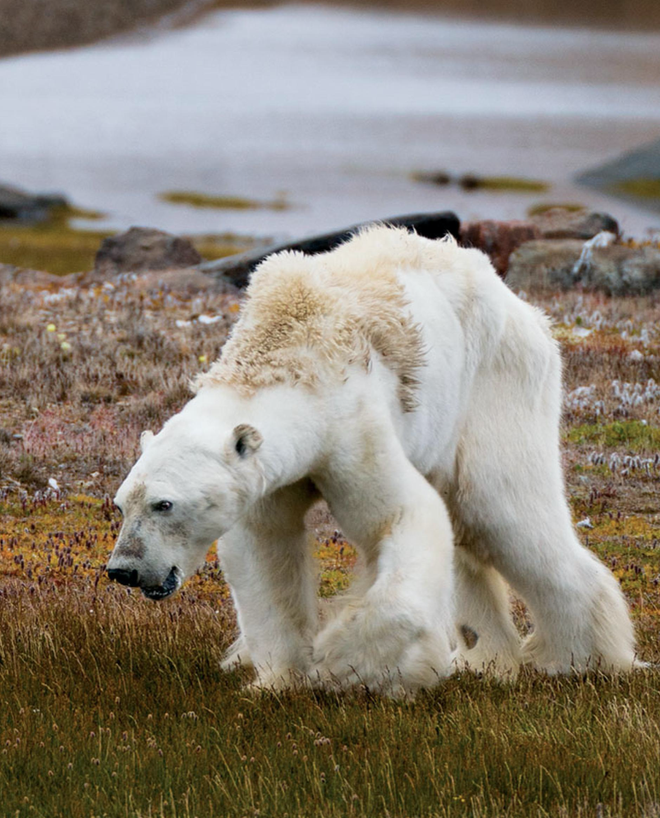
column 307, row 318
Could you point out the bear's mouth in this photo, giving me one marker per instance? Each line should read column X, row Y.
column 171, row 584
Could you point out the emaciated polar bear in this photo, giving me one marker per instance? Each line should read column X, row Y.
column 400, row 379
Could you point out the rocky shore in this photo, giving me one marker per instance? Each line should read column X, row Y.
column 555, row 249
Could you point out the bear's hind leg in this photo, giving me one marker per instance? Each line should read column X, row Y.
column 580, row 616
column 488, row 639
column 510, row 492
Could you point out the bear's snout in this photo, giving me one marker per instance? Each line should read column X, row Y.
column 124, row 577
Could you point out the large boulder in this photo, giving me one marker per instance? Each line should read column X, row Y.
column 498, row 239
column 564, row 223
column 556, row 265
column 143, row 248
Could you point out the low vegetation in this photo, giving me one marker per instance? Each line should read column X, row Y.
column 116, row 706
column 544, row 207
column 633, row 435
column 646, row 187
column 472, row 181
column 503, row 184
column 60, row 246
column 205, row 200
column 54, row 245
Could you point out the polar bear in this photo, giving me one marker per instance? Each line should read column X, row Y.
column 401, row 380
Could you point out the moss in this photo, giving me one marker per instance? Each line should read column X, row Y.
column 540, row 209
column 645, row 187
column 58, row 250
column 193, row 199
column 53, row 246
column 634, row 435
column 504, row 184
column 219, row 246
column 470, row 181
column 62, row 213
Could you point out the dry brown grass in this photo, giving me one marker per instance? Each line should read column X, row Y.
column 85, row 370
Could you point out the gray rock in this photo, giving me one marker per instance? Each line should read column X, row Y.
column 17, row 205
column 561, row 223
column 143, row 248
column 539, row 266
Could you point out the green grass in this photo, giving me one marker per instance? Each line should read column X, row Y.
column 116, row 706
column 204, row 200
column 112, row 705
column 647, row 188
column 633, row 435
column 53, row 246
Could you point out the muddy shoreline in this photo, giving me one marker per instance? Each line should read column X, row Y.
column 71, row 23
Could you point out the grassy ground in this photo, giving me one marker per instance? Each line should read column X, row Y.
column 60, row 247
column 111, row 705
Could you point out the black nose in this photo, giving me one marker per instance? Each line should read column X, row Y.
column 131, row 578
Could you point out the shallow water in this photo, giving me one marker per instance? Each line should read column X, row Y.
column 335, row 108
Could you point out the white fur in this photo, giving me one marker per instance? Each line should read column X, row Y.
column 475, row 465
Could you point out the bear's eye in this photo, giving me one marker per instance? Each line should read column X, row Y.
column 162, row 505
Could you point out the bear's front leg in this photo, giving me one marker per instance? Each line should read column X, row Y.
column 268, row 565
column 398, row 635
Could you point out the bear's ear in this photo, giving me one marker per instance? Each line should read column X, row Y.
column 145, row 439
column 246, row 440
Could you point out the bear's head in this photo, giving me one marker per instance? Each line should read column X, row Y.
column 183, row 493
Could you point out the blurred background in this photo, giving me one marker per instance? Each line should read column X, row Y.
column 277, row 121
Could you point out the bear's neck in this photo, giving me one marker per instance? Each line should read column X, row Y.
column 290, row 420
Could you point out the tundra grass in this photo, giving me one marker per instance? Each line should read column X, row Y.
column 112, row 705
